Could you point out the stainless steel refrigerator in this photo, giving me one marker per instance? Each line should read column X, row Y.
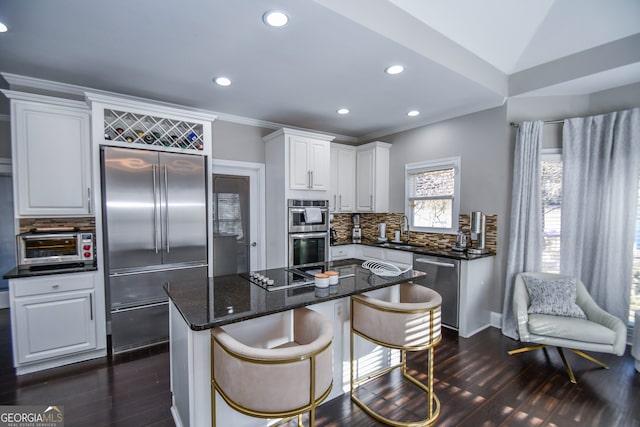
column 155, row 222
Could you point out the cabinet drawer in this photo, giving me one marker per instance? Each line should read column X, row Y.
column 341, row 252
column 52, row 283
column 399, row 257
column 369, row 252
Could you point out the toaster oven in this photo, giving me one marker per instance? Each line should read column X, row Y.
column 55, row 248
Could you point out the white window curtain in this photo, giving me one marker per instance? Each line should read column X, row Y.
column 601, row 158
column 525, row 237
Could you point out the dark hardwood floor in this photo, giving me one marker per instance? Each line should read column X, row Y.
column 477, row 382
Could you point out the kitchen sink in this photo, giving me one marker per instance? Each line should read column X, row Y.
column 403, row 247
column 397, row 246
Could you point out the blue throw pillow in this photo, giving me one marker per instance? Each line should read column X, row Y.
column 553, row 296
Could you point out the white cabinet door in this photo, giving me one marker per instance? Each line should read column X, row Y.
column 319, row 161
column 299, row 178
column 346, row 180
column 54, row 325
column 308, row 164
column 372, row 181
column 333, row 191
column 52, row 148
column 342, row 197
column 365, row 161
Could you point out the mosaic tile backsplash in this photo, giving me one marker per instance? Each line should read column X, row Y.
column 82, row 223
column 342, row 224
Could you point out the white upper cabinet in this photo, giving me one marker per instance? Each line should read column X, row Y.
column 51, row 146
column 342, row 197
column 308, row 163
column 372, row 180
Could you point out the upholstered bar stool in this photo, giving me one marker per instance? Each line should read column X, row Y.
column 280, row 382
column 412, row 324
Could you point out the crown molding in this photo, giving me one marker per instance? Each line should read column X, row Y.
column 82, row 91
column 45, row 99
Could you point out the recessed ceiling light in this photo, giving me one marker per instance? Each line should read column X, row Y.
column 394, row 69
column 343, row 111
column 413, row 113
column 3, row 28
column 222, row 81
column 275, row 18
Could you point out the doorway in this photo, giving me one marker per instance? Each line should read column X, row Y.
column 237, row 217
column 7, row 230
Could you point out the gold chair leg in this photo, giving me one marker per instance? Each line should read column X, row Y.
column 566, row 365
column 590, row 358
column 525, row 349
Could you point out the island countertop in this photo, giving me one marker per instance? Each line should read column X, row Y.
column 218, row 301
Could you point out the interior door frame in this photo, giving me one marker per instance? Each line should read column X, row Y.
column 257, row 224
column 6, row 170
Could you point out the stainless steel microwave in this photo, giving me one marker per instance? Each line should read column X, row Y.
column 54, row 248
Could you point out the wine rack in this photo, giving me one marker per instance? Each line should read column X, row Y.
column 151, row 130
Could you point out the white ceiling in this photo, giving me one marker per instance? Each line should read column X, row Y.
column 461, row 56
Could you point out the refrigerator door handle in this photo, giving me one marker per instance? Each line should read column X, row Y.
column 166, row 206
column 155, row 207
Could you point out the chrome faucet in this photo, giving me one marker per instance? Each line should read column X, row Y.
column 405, row 226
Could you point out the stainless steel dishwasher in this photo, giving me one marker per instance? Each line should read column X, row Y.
column 442, row 276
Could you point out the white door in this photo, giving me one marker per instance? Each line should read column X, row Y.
column 234, row 174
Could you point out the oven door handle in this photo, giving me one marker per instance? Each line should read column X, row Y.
column 46, row 236
column 308, row 235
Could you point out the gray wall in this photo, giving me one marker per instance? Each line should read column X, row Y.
column 233, row 141
column 486, row 151
column 485, row 141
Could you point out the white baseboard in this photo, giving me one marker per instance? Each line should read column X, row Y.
column 4, row 299
column 495, row 319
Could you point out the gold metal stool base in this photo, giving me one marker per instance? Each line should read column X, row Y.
column 432, row 399
column 567, row 367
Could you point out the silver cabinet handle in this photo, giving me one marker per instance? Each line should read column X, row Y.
column 155, row 207
column 334, row 201
column 308, row 179
column 55, row 286
column 340, row 202
column 371, row 198
column 254, row 244
column 166, row 206
column 89, row 199
column 311, row 179
column 91, row 305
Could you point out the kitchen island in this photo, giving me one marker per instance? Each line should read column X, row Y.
column 257, row 315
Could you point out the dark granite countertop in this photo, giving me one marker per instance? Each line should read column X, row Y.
column 232, row 298
column 19, row 273
column 425, row 250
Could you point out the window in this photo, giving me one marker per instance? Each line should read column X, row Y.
column 551, row 187
column 227, row 216
column 432, row 193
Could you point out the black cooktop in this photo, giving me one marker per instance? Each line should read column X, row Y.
column 284, row 278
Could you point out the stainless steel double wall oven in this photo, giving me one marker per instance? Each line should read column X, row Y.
column 308, row 232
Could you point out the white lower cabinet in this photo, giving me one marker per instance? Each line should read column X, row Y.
column 341, row 252
column 400, row 258
column 54, row 320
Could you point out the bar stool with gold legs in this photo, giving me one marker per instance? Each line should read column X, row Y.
column 280, row 382
column 412, row 324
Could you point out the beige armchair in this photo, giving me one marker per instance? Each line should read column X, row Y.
column 599, row 331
